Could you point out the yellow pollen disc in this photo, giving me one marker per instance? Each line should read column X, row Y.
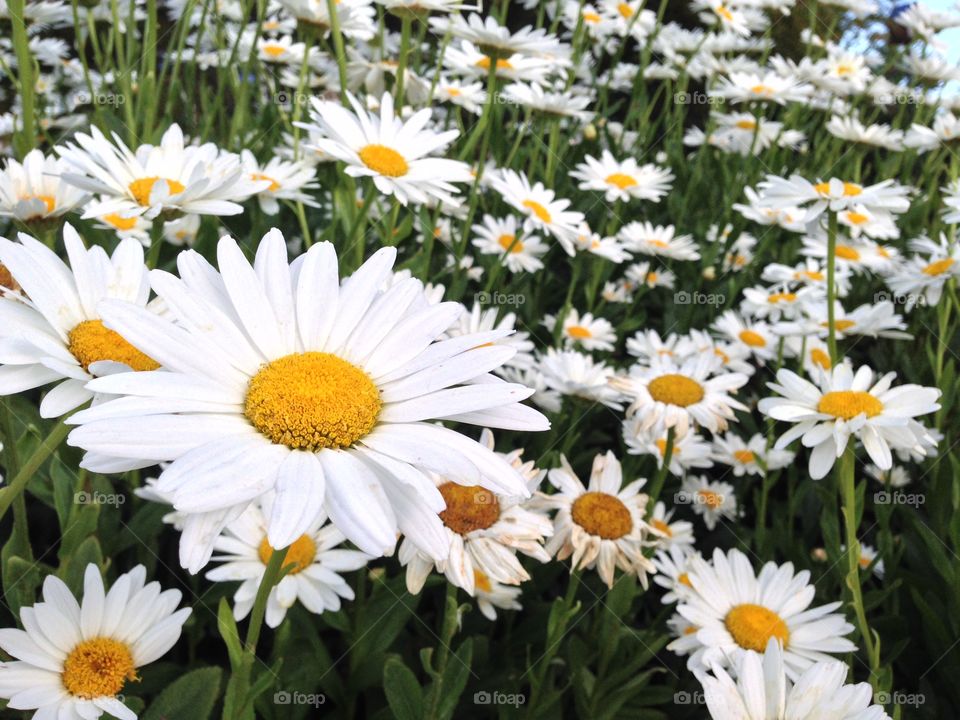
column 751, row 338
column 847, row 253
column 856, row 218
column 49, row 202
column 274, row 50
column 120, row 223
column 939, row 267
column 662, row 527
column 865, row 561
column 849, row 189
column 674, row 389
column 274, row 185
column 539, row 210
column 141, row 189
column 781, row 297
column 813, row 275
column 721, row 354
column 98, row 668
column 300, row 554
column 844, row 69
column 591, row 17
column 91, row 341
column 510, row 242
column 621, row 180
column 848, row 404
column 747, row 124
column 6, row 279
column 744, row 456
column 883, row 252
column 711, row 499
column 453, row 92
column 819, row 357
column 312, row 401
column 602, row 514
column 684, row 579
column 384, row 160
column 579, row 332
column 502, row 63
column 469, row 507
column 481, row 581
column 840, row 325
column 652, row 277
column 724, row 13
column 762, row 90
column 626, row 12
column 752, row 626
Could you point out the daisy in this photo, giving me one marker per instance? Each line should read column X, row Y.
column 843, row 403
column 74, row 659
column 192, row 179
column 600, row 525
column 770, row 87
column 470, row 96
column 790, row 218
column 808, row 272
column 921, row 279
column 834, row 194
column 483, row 531
column 244, row 550
column 136, row 227
column 689, row 450
column 288, row 181
column 668, row 394
column 586, row 331
column 577, row 374
column 671, row 565
column 396, row 154
column 945, row 130
column 660, row 240
column 766, row 690
column 486, row 32
column 755, row 335
column 851, row 129
column 749, row 457
column 869, row 558
column 59, row 334
column 609, row 248
column 330, row 408
column 674, row 535
column 778, row 302
column 736, row 610
column 33, row 191
column 491, row 595
column 501, row 236
column 895, row 477
column 644, row 273
column 624, row 180
column 489, row 321
column 540, row 207
column 354, row 17
column 466, row 59
column 715, row 501
column 562, row 103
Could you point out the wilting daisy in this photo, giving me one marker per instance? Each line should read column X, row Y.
column 714, row 500
column 74, row 659
column 667, row 394
column 540, row 207
column 749, row 457
column 600, row 525
column 58, row 334
column 624, row 180
column 34, row 191
column 736, row 610
column 843, row 403
column 287, row 379
column 171, row 176
column 766, row 690
column 396, row 154
column 314, row 580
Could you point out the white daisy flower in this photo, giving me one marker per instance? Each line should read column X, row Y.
column 644, row 273
column 843, row 403
column 501, row 236
column 689, row 450
column 674, row 535
column 751, row 456
column 287, row 181
column 624, row 180
column 713, row 500
column 834, row 194
column 329, row 408
column 659, row 240
column 74, row 659
column 770, row 87
column 480, row 320
column 600, row 525
column 396, row 154
column 585, row 331
column 671, row 565
column 491, row 595
column 317, row 560
column 467, row 59
column 579, row 375
column 540, row 207
column 756, row 336
column 34, row 191
column 735, row 611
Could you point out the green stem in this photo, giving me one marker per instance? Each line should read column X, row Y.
column 657, row 487
column 338, row 48
column 447, row 631
column 26, row 138
column 32, row 465
column 554, row 636
column 831, row 286
column 406, row 22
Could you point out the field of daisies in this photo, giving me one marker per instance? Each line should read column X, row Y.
column 421, row 359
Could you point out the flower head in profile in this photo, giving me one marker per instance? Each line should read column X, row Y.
column 34, row 191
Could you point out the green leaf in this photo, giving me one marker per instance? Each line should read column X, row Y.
column 455, row 678
column 403, row 691
column 21, row 578
column 229, row 632
column 189, row 698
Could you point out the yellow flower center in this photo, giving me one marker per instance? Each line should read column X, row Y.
column 711, row 499
column 753, row 339
column 781, row 297
column 49, row 201
column 819, row 357
column 840, row 325
column 744, row 456
column 539, row 210
column 469, row 507
column 674, row 389
column 626, row 12
column 722, row 355
column 274, row 185
column 662, row 527
column 747, row 124
column 602, row 515
column 652, row 277
column 6, row 279
column 752, row 626
column 91, row 341
column 855, row 218
column 274, row 50
column 684, row 579
column 510, row 242
column 724, row 13
column 844, row 69
column 481, row 581
column 590, row 17
column 812, row 275
column 579, row 332
column 453, row 92
column 847, row 253
column 120, row 223
column 661, row 444
column 384, row 160
column 849, row 189
column 762, row 90
column 657, row 243
column 300, row 554
column 621, row 180
column 502, row 63
column 312, row 401
column 98, row 668
column 939, row 267
column 848, row 404
column 141, row 189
